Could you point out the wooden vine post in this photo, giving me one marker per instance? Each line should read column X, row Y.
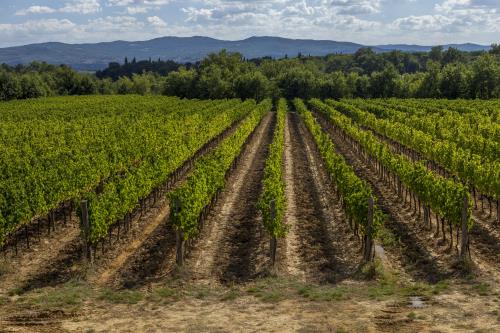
column 368, row 246
column 464, row 246
column 87, row 247
column 273, row 237
column 179, row 239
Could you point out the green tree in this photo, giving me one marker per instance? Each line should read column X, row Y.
column 32, row 86
column 485, row 77
column 383, row 84
column 454, row 81
column 213, row 84
column 297, row 82
column 333, row 85
column 431, row 82
column 436, row 53
column 141, row 84
column 252, row 85
column 124, row 86
column 181, row 83
column 9, row 86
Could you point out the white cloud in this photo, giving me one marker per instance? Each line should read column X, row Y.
column 81, row 6
column 156, row 22
column 364, row 21
column 35, row 10
column 77, row 6
column 114, row 24
column 137, row 10
column 356, row 7
column 138, row 2
column 39, row 27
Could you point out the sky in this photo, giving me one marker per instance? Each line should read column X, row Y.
column 371, row 22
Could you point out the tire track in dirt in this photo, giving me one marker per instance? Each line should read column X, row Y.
column 327, row 249
column 292, row 260
column 233, row 246
column 147, row 252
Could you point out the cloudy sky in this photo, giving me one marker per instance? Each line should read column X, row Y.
column 363, row 21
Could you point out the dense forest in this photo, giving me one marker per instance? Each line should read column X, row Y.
column 436, row 74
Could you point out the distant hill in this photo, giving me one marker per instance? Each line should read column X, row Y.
column 186, row 49
column 468, row 47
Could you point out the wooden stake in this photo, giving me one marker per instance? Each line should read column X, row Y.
column 273, row 243
column 368, row 253
column 87, row 248
column 465, row 230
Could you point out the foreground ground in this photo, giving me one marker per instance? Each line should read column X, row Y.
column 267, row 304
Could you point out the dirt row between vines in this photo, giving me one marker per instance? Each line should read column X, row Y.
column 319, row 246
column 233, row 246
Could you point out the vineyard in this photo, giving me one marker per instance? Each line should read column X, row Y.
column 123, row 191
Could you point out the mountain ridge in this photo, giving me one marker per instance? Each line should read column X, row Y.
column 94, row 56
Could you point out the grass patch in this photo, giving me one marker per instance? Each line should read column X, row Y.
column 122, row 296
column 163, row 294
column 423, row 289
column 387, row 238
column 231, row 295
column 382, row 289
column 70, row 297
column 271, row 290
column 4, row 268
column 3, row 300
column 323, row 293
column 482, row 289
column 201, row 292
column 15, row 292
column 411, row 316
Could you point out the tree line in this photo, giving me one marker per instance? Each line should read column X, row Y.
column 436, row 74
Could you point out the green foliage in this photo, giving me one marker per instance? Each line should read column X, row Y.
column 272, row 200
column 62, row 149
column 460, row 143
column 443, row 196
column 366, row 74
column 168, row 143
column 209, row 175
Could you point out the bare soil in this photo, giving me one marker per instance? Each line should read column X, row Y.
column 233, row 246
column 37, row 266
column 321, row 245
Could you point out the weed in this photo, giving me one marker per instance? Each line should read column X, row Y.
column 15, row 292
column 162, row 294
column 270, row 290
column 382, row 289
column 322, row 293
column 411, row 315
column 387, row 238
column 483, row 289
column 122, row 296
column 231, row 295
column 70, row 296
